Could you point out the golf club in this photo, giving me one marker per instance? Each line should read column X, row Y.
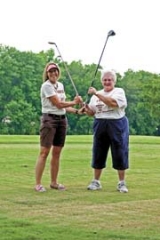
column 110, row 33
column 60, row 56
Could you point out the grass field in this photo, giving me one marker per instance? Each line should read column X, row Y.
column 78, row 214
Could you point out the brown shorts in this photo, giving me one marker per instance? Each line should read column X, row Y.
column 53, row 130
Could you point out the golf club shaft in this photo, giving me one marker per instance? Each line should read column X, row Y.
column 65, row 66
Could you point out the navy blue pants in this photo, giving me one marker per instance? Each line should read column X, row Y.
column 110, row 134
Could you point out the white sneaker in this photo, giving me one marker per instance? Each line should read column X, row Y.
column 94, row 185
column 121, row 187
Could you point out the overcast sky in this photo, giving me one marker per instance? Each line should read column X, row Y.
column 80, row 28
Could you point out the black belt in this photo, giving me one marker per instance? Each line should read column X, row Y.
column 54, row 116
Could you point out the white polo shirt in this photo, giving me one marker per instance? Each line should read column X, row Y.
column 49, row 89
column 104, row 111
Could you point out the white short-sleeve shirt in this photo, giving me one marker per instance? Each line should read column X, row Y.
column 104, row 111
column 49, row 89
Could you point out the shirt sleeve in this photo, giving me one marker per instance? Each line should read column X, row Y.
column 48, row 91
column 120, row 98
column 92, row 103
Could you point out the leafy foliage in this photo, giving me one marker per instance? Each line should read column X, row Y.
column 21, row 79
column 142, row 91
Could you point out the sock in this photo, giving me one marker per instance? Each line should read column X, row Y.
column 97, row 180
column 122, row 182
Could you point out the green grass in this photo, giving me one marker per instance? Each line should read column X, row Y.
column 77, row 213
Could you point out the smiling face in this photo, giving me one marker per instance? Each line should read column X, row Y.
column 108, row 82
column 53, row 75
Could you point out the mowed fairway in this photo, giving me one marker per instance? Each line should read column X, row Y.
column 78, row 214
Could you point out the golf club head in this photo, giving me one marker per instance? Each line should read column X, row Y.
column 111, row 33
column 52, row 43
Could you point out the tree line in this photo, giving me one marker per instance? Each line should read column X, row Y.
column 21, row 79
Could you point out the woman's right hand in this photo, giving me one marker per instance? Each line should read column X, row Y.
column 78, row 100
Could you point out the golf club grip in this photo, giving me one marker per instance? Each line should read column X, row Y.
column 87, row 99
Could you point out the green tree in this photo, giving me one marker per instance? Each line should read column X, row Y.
column 21, row 79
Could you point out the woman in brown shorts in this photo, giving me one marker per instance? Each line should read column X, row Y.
column 53, row 125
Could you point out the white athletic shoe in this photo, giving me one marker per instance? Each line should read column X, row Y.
column 94, row 185
column 121, row 187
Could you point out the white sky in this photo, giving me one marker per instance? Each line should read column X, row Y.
column 80, row 28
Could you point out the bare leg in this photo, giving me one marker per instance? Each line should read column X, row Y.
column 54, row 165
column 40, row 165
column 121, row 175
column 97, row 173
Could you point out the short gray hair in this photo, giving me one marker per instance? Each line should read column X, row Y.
column 112, row 72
